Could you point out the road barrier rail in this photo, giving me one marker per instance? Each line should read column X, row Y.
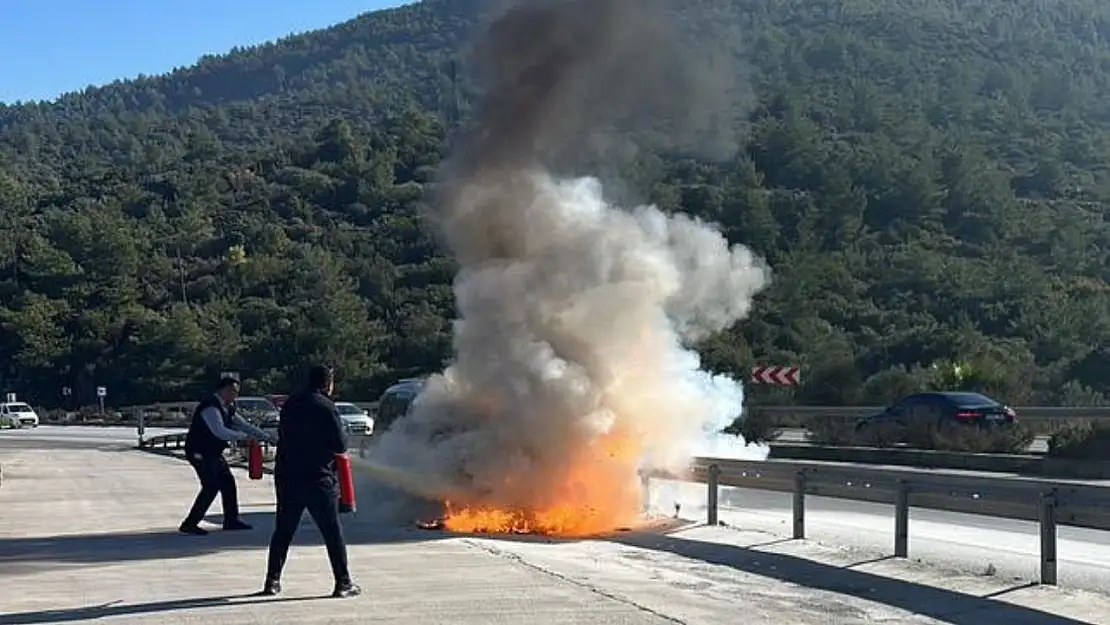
column 1049, row 503
column 176, row 441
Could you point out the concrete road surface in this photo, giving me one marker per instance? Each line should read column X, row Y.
column 798, row 435
column 88, row 536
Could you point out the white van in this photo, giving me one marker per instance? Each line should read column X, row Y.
column 18, row 415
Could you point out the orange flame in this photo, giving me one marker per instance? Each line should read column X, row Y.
column 598, row 492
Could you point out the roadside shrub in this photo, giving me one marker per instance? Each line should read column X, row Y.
column 56, row 415
column 881, row 436
column 1081, row 441
column 164, row 418
column 1048, row 427
column 832, row 431
column 756, row 426
column 1014, row 439
column 88, row 414
column 841, row 432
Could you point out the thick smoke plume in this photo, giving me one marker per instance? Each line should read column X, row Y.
column 572, row 366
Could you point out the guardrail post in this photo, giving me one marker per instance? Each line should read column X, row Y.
column 141, row 424
column 714, row 491
column 800, row 505
column 1048, row 538
column 902, row 520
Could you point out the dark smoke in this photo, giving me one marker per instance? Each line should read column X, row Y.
column 568, row 83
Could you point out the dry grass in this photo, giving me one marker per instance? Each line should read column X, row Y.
column 756, row 426
column 1083, row 440
column 842, row 432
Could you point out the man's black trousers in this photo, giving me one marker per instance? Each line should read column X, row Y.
column 321, row 499
column 215, row 477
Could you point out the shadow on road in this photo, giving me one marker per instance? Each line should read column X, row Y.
column 943, row 605
column 42, row 552
column 376, row 522
column 116, row 609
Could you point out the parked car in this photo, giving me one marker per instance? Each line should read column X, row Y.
column 357, row 420
column 259, row 411
column 943, row 407
column 16, row 414
column 396, row 401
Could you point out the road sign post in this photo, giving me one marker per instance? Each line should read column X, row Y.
column 777, row 375
column 101, row 393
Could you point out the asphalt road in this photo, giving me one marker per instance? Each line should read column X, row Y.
column 798, row 435
column 89, row 537
column 977, row 544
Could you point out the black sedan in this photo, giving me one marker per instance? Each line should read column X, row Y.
column 943, row 408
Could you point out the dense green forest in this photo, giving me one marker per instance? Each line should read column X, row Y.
column 928, row 179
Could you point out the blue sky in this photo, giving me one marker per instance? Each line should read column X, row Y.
column 51, row 47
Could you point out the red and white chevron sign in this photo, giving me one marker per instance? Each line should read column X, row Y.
column 783, row 376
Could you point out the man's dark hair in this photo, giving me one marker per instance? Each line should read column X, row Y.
column 227, row 382
column 319, row 376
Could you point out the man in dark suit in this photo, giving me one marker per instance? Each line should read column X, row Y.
column 214, row 425
column 310, row 435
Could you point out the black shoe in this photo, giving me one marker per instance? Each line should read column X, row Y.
column 237, row 525
column 271, row 588
column 342, row 591
column 193, row 530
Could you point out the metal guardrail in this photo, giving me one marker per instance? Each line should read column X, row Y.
column 165, row 441
column 177, row 441
column 1028, row 413
column 1047, row 502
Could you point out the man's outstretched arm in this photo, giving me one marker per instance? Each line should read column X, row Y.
column 243, row 425
column 215, row 423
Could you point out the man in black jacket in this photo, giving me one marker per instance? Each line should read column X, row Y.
column 214, row 425
column 310, row 435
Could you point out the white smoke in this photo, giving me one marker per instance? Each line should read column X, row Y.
column 574, row 316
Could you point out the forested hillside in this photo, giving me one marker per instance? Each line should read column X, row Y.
column 929, row 180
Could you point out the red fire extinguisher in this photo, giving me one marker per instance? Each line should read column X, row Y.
column 254, row 460
column 346, row 483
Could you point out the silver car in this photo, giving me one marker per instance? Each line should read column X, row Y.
column 357, row 420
